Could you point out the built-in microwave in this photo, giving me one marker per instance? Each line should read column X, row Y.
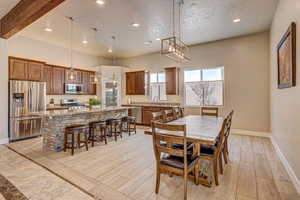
column 73, row 88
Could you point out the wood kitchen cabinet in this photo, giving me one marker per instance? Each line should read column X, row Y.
column 48, row 74
column 18, row 69
column 172, row 81
column 21, row 69
column 58, row 80
column 35, row 71
column 135, row 83
column 77, row 78
column 88, row 87
column 148, row 110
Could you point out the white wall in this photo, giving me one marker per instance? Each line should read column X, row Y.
column 20, row 46
column 246, row 62
column 285, row 103
column 3, row 91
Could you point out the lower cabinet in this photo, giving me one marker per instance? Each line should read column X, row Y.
column 148, row 110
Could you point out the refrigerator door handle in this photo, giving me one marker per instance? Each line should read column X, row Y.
column 30, row 100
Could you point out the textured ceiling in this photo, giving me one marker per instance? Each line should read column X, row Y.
column 7, row 5
column 203, row 21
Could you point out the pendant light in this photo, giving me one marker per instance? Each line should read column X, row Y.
column 173, row 47
column 95, row 79
column 71, row 74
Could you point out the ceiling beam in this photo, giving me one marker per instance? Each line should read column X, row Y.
column 23, row 14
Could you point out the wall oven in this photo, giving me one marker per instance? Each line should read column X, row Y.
column 73, row 88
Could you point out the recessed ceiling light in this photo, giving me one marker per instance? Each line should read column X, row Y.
column 48, row 29
column 100, row 2
column 236, row 20
column 158, row 39
column 84, row 42
column 135, row 24
column 109, row 50
column 148, row 42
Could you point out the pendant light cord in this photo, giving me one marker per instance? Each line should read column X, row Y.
column 173, row 18
column 71, row 42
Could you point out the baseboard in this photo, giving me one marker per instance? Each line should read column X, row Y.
column 4, row 141
column 287, row 166
column 250, row 133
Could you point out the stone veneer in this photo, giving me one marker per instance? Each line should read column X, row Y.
column 53, row 126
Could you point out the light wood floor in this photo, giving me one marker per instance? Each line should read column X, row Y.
column 124, row 170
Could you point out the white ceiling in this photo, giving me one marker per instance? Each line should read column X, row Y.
column 7, row 5
column 204, row 20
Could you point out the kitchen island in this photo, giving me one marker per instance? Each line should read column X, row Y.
column 55, row 122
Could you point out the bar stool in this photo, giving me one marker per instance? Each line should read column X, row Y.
column 115, row 126
column 127, row 122
column 98, row 132
column 81, row 131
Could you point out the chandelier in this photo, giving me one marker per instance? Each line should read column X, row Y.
column 173, row 47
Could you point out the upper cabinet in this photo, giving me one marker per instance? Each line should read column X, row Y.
column 21, row 69
column 135, row 83
column 58, row 80
column 77, row 77
column 54, row 76
column 17, row 69
column 172, row 81
column 88, row 87
column 35, row 71
column 48, row 74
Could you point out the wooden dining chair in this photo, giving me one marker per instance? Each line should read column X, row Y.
column 157, row 116
column 170, row 160
column 214, row 153
column 227, row 133
column 168, row 115
column 176, row 113
column 210, row 111
column 182, row 112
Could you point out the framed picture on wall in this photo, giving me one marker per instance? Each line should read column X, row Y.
column 286, row 58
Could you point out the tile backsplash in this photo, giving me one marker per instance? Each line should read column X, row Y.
column 80, row 98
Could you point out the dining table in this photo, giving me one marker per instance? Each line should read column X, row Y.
column 199, row 130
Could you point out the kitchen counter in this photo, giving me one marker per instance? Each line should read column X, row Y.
column 55, row 122
column 152, row 105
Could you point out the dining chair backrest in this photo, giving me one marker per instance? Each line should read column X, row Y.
column 181, row 112
column 229, row 122
column 163, row 140
column 176, row 112
column 168, row 115
column 157, row 116
column 210, row 111
column 221, row 136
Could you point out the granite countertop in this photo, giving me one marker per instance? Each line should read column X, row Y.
column 151, row 105
column 76, row 112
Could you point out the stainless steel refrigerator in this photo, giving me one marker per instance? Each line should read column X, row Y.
column 25, row 99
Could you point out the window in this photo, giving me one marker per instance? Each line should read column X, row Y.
column 204, row 87
column 158, row 86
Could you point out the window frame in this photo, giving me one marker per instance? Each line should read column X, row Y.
column 159, row 83
column 201, row 76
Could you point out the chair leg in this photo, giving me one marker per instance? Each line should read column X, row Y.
column 215, row 166
column 185, row 185
column 115, row 132
column 93, row 137
column 128, row 128
column 134, row 127
column 197, row 166
column 120, row 129
column 105, row 133
column 73, row 141
column 78, row 140
column 65, row 142
column 221, row 163
column 157, row 180
column 225, row 155
column 86, row 141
